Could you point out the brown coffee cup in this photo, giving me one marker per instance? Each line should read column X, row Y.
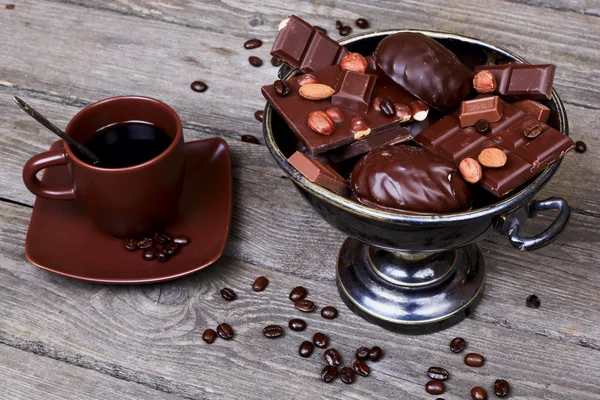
column 123, row 202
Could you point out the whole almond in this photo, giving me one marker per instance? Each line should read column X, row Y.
column 316, row 91
column 484, row 82
column 321, row 123
column 355, row 62
column 492, row 158
column 470, row 170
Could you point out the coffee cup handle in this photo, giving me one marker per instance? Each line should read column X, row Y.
column 52, row 158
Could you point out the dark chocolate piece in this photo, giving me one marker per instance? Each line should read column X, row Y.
column 425, row 68
column 391, row 137
column 487, row 108
column 319, row 173
column 522, row 81
column 533, row 108
column 353, row 91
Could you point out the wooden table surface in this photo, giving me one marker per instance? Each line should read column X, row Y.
column 61, row 338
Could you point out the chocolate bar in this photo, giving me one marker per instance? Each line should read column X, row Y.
column 303, row 47
column 353, row 91
column 526, row 155
column 319, row 173
column 390, row 137
column 488, row 108
column 522, row 81
column 533, row 108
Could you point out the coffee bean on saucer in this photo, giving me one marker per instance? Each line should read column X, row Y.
column 305, row 305
column 145, row 243
column 329, row 312
column 228, row 294
column 171, row 249
column 252, row 44
column 149, row 255
column 209, row 335
column 347, row 375
column 362, row 353
column 297, row 293
column 305, row 349
column 199, row 86
column 320, row 340
column 332, row 357
column 272, row 331
column 255, row 61
column 162, row 257
column 250, row 139
column 322, row 30
column 338, row 24
column 580, row 146
column 362, row 23
column 501, row 388
column 225, row 331
column 533, row 301
column 162, row 238
column 297, row 325
column 438, row 373
column 481, row 126
column 329, row 373
column 181, row 239
column 435, row 387
column 474, row 360
column 361, row 368
column 258, row 115
column 260, row 284
column 478, row 393
column 375, row 353
column 276, row 62
column 281, row 87
column 387, row 108
column 345, row 30
column 131, row 244
column 457, row 344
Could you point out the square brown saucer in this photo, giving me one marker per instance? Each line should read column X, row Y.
column 62, row 239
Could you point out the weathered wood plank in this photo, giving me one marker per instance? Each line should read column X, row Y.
column 25, row 375
column 589, row 7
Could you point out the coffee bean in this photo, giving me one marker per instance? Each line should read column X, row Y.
column 533, row 130
column 320, row 340
column 478, row 393
column 162, row 238
column 10, row 6
column 322, row 30
column 228, row 294
column 145, row 243
column 457, row 344
column 435, row 387
column 438, row 373
column 387, row 108
column 474, row 360
column 252, row 44
column 345, row 30
column 347, row 375
column 272, row 331
column 305, row 305
column 149, row 255
column 339, row 24
column 199, row 86
column 501, row 388
column 481, row 126
column 258, row 115
column 306, row 349
column 225, row 331
column 260, row 284
column 131, row 244
column 580, row 146
column 162, row 257
column 362, row 353
column 297, row 293
column 329, row 312
column 209, row 335
column 329, row 373
column 276, row 62
column 181, row 240
column 171, row 249
column 297, row 325
column 361, row 367
column 250, row 139
column 375, row 353
column 281, row 87
column 255, row 61
column 362, row 23
column 533, row 301
column 332, row 357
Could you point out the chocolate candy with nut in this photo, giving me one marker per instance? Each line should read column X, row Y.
column 522, row 81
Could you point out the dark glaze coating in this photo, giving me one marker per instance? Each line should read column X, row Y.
column 425, row 68
column 409, row 179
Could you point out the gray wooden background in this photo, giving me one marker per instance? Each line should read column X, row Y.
column 65, row 339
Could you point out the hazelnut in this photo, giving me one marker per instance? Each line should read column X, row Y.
column 402, row 111
column 484, row 82
column 321, row 122
column 360, row 127
column 419, row 110
column 336, row 114
column 470, row 170
column 307, row 79
column 376, row 102
column 354, row 62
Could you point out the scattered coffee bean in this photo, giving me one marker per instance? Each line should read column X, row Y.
column 474, row 360
column 162, row 238
column 199, row 86
column 255, row 61
column 161, row 256
column 580, row 146
column 375, row 353
column 332, row 357
column 250, row 139
column 305, row 305
column 276, row 62
column 347, row 375
column 145, row 243
column 322, row 30
column 171, row 249
column 345, row 30
column 329, row 312
column 298, row 293
column 438, row 373
column 361, row 367
column 281, row 87
column 306, row 349
column 181, row 239
column 272, row 331
column 339, row 24
column 228, row 294
column 149, row 255
column 329, row 373
column 297, row 324
column 258, row 115
column 457, row 345
column 225, row 331
column 10, row 6
column 252, row 44
column 478, row 393
column 481, row 126
column 260, row 284
column 362, row 353
column 533, row 301
column 320, row 340
column 209, row 335
column 435, row 387
column 387, row 108
column 131, row 244
column 362, row 23
column 501, row 388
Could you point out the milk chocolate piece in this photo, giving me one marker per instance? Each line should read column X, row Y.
column 319, row 173
column 304, row 47
column 522, row 81
column 353, row 91
column 391, row 137
column 425, row 68
column 484, row 108
column 533, row 108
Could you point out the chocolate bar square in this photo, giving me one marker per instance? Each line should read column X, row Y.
column 353, row 91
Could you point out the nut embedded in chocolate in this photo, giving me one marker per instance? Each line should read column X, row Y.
column 316, row 91
column 306, row 79
column 321, row 123
column 492, row 157
column 335, row 113
column 484, row 82
column 403, row 111
column 360, row 127
column 470, row 170
column 354, row 62
column 419, row 110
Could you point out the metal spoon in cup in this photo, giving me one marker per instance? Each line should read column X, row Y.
column 42, row 120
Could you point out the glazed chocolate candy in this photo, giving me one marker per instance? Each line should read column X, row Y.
column 522, row 81
column 319, row 173
column 395, row 135
column 353, row 91
column 533, row 108
column 425, row 68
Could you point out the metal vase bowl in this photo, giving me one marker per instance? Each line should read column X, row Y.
column 421, row 273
